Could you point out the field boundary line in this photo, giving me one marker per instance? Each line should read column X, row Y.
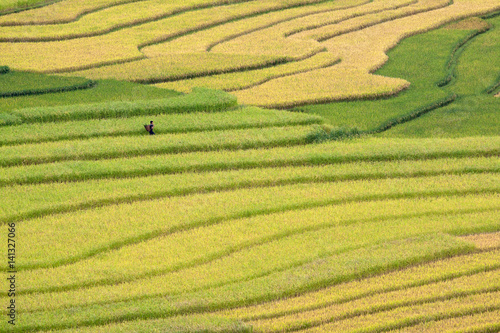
column 243, row 214
column 244, row 246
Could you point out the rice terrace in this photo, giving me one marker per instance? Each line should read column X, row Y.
column 317, row 165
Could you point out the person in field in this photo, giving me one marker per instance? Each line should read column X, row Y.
column 149, row 128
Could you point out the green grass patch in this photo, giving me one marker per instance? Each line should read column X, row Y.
column 12, row 6
column 15, row 83
column 421, row 60
column 475, row 111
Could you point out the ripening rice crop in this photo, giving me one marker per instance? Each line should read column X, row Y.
column 477, row 321
column 123, row 146
column 25, row 201
column 371, row 43
column 428, row 293
column 264, row 287
column 199, row 100
column 358, row 23
column 414, row 314
column 205, row 40
column 260, row 28
column 12, row 6
column 380, row 151
column 361, row 53
column 102, row 21
column 320, row 86
column 16, row 83
column 399, row 280
column 121, row 223
column 472, row 71
column 58, row 12
column 87, row 52
column 179, row 66
column 245, row 117
column 249, row 78
column 202, row 40
column 332, row 229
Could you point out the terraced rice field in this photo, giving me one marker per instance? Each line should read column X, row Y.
column 238, row 218
column 133, row 40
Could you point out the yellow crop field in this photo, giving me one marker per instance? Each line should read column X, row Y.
column 249, row 78
column 204, row 40
column 102, row 21
column 123, row 40
column 174, row 67
column 58, row 12
column 361, row 52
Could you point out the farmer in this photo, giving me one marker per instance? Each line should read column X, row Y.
column 149, row 128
